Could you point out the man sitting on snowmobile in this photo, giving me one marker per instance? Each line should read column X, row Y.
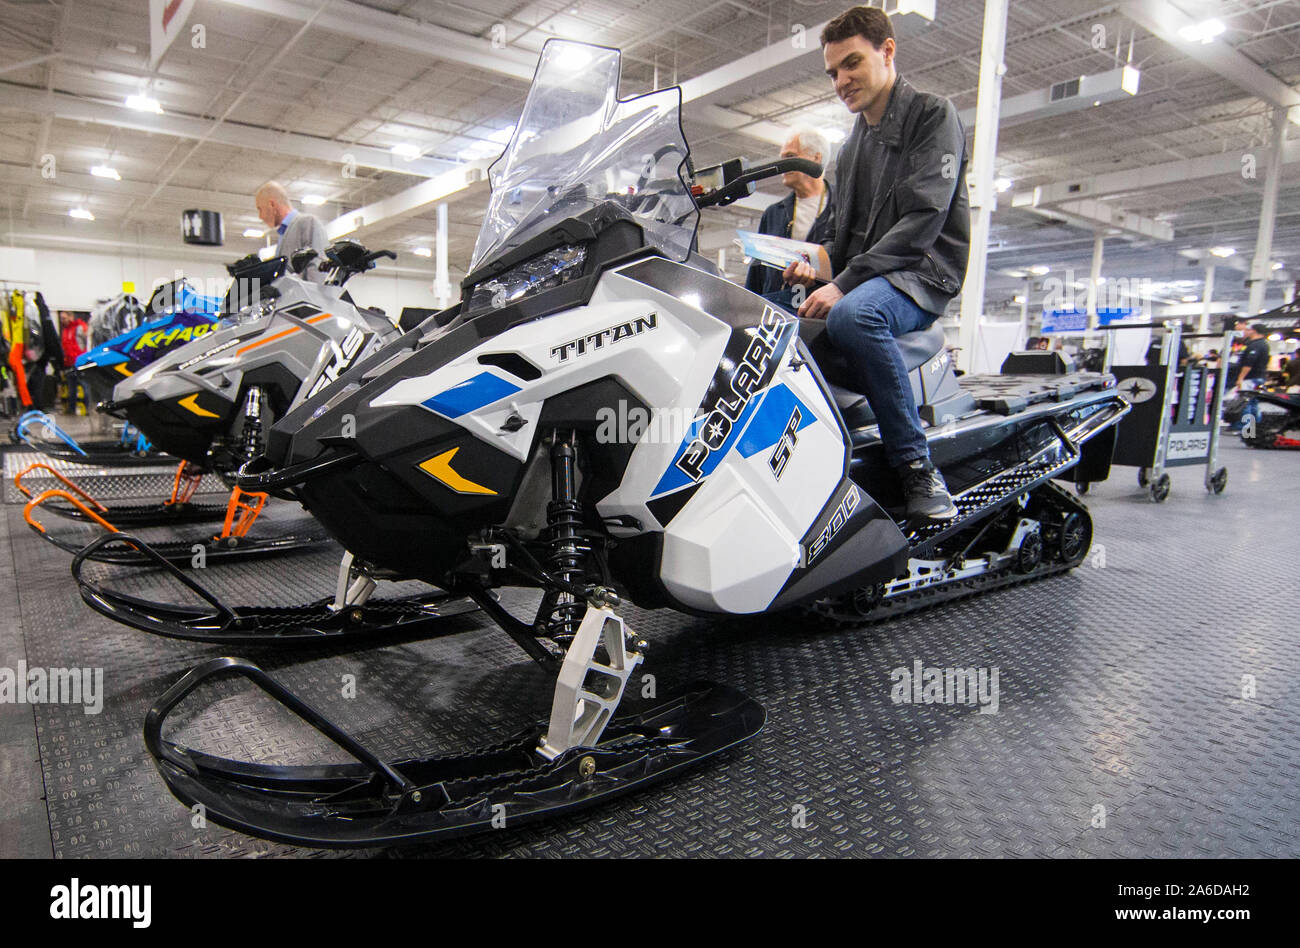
column 901, row 237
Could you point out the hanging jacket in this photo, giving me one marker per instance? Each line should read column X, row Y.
column 16, row 325
column 50, row 331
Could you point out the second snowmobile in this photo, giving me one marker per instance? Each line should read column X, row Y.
column 208, row 401
column 1275, row 422
column 605, row 416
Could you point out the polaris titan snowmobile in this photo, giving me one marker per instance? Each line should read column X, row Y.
column 207, row 401
column 527, row 437
column 1275, row 422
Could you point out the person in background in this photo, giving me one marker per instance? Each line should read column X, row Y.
column 1252, row 366
column 803, row 214
column 1291, row 372
column 297, row 230
column 74, row 336
column 901, row 237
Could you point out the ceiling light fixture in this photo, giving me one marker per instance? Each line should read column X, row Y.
column 254, row 232
column 312, row 200
column 1040, row 270
column 1204, row 32
column 1003, row 185
column 104, row 171
column 81, row 214
column 1223, row 251
column 422, row 252
column 143, row 103
column 406, row 151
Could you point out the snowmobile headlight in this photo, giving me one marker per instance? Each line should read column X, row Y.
column 543, row 272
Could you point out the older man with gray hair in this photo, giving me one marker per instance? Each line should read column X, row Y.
column 803, row 214
column 297, row 230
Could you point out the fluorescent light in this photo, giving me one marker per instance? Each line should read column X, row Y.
column 1275, row 337
column 1018, row 298
column 1130, row 79
column 254, row 232
column 1191, row 299
column 143, row 103
column 422, row 252
column 1003, row 185
column 406, row 151
column 1040, row 270
column 312, row 200
column 81, row 214
column 104, row 171
column 1203, row 32
column 1096, row 102
column 1223, row 251
column 1277, row 265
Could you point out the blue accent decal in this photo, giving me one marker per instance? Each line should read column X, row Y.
column 470, row 395
column 769, row 424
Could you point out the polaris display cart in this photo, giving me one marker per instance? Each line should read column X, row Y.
column 1160, row 431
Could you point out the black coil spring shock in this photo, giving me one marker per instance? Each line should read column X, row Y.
column 561, row 612
column 252, row 433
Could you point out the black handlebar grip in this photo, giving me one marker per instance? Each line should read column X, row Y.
column 804, row 165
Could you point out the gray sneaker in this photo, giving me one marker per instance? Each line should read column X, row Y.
column 926, row 493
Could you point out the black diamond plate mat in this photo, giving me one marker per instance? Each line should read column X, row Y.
column 1144, row 706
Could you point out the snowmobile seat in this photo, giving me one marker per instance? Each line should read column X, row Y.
column 934, row 386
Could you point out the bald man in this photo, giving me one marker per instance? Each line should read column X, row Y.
column 297, row 229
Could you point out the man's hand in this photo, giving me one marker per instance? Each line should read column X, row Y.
column 819, row 302
column 799, row 272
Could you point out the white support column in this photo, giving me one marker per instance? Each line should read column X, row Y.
column 1288, row 294
column 1207, row 298
column 1261, row 266
column 441, row 280
column 982, row 192
column 1024, row 311
column 1094, row 279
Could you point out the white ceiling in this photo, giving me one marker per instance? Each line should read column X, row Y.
column 286, row 89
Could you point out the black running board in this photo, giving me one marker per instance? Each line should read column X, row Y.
column 375, row 803
column 132, row 552
column 939, row 593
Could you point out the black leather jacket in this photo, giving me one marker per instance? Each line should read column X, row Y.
column 900, row 205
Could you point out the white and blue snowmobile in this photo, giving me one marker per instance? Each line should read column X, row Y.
column 483, row 449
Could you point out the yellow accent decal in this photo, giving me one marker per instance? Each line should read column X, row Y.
column 440, row 468
column 124, row 370
column 191, row 402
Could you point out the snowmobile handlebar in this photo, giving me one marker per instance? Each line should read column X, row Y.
column 347, row 258
column 736, row 180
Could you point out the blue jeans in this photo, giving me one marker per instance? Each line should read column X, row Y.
column 862, row 326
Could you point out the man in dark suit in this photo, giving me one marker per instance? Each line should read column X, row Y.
column 901, row 240
column 803, row 214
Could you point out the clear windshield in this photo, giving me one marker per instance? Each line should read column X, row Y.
column 577, row 144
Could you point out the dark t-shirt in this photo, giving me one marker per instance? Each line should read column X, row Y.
column 1254, row 357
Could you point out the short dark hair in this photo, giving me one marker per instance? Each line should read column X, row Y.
column 1260, row 328
column 871, row 23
